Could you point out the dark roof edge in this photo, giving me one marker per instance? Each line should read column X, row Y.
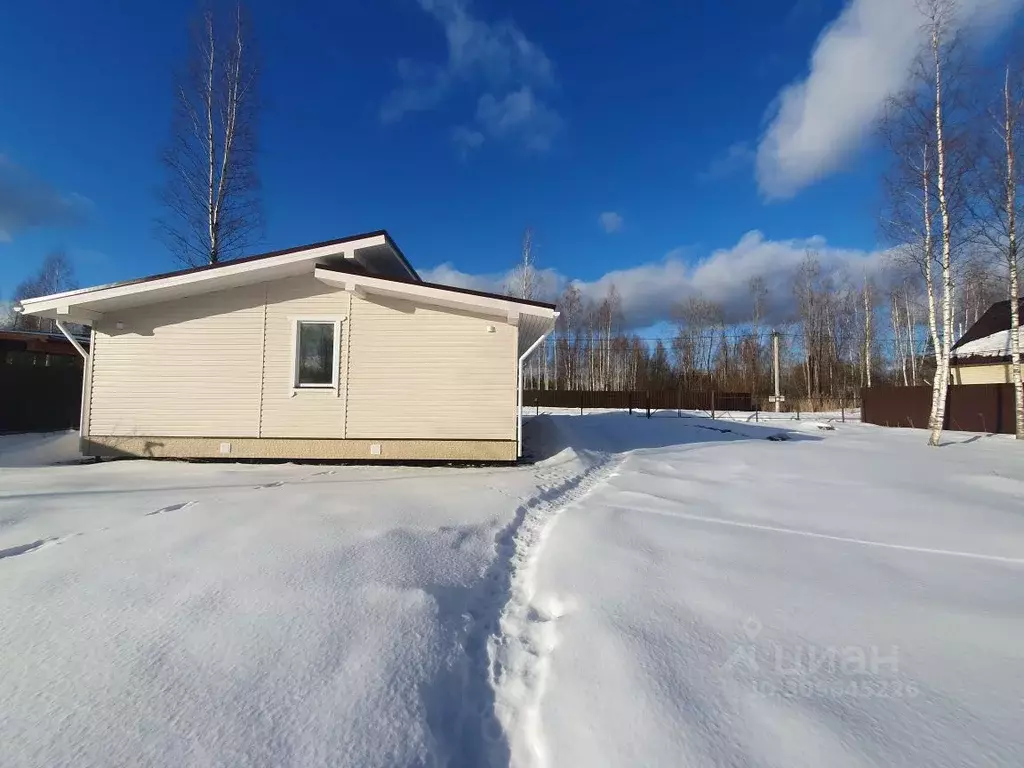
column 400, row 255
column 451, row 288
column 243, row 260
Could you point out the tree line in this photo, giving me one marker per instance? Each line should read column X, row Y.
column 844, row 332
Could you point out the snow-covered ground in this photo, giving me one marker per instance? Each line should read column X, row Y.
column 672, row 591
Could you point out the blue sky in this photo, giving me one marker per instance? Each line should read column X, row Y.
column 642, row 136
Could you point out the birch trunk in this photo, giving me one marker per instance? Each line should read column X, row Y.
column 1009, row 134
column 1015, row 368
column 929, row 284
column 211, row 146
column 941, row 383
column 867, row 331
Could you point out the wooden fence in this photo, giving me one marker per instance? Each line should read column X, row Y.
column 653, row 399
column 969, row 407
column 38, row 398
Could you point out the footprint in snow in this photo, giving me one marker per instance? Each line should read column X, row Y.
column 24, row 549
column 171, row 508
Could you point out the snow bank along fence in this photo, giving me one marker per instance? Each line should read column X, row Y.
column 653, row 399
column 39, row 398
column 969, row 407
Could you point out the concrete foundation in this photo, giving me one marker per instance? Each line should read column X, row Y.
column 290, row 448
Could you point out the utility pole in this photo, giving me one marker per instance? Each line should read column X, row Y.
column 775, row 367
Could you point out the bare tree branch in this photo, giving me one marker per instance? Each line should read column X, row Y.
column 211, row 195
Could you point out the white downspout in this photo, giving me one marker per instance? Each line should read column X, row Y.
column 85, row 370
column 72, row 340
column 519, row 397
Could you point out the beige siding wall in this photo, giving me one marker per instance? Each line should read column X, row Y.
column 289, row 412
column 186, row 367
column 221, row 365
column 997, row 373
column 419, row 372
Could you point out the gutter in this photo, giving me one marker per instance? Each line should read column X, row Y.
column 519, row 392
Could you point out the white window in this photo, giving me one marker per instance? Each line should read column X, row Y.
column 317, row 343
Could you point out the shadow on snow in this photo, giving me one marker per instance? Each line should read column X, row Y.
column 547, row 435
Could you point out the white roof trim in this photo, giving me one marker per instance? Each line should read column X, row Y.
column 71, row 303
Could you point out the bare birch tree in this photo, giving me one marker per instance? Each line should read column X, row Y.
column 1011, row 112
column 925, row 185
column 939, row 16
column 55, row 275
column 211, row 195
column 523, row 281
column 909, row 215
column 568, row 326
column 996, row 206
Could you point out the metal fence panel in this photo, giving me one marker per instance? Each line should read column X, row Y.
column 655, row 399
column 969, row 407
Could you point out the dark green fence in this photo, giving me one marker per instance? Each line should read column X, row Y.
column 38, row 398
column 654, row 399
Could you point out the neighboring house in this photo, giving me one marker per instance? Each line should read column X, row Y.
column 982, row 355
column 336, row 350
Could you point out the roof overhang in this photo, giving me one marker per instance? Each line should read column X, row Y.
column 86, row 305
column 337, row 264
column 534, row 319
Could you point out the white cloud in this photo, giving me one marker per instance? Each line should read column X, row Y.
column 611, row 222
column 650, row 291
column 861, row 59
column 736, row 158
column 467, row 139
column 521, row 115
column 549, row 282
column 496, row 58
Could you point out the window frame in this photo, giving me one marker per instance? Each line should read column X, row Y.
column 336, row 323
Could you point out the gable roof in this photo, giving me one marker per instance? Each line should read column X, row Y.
column 366, row 236
column 344, row 256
